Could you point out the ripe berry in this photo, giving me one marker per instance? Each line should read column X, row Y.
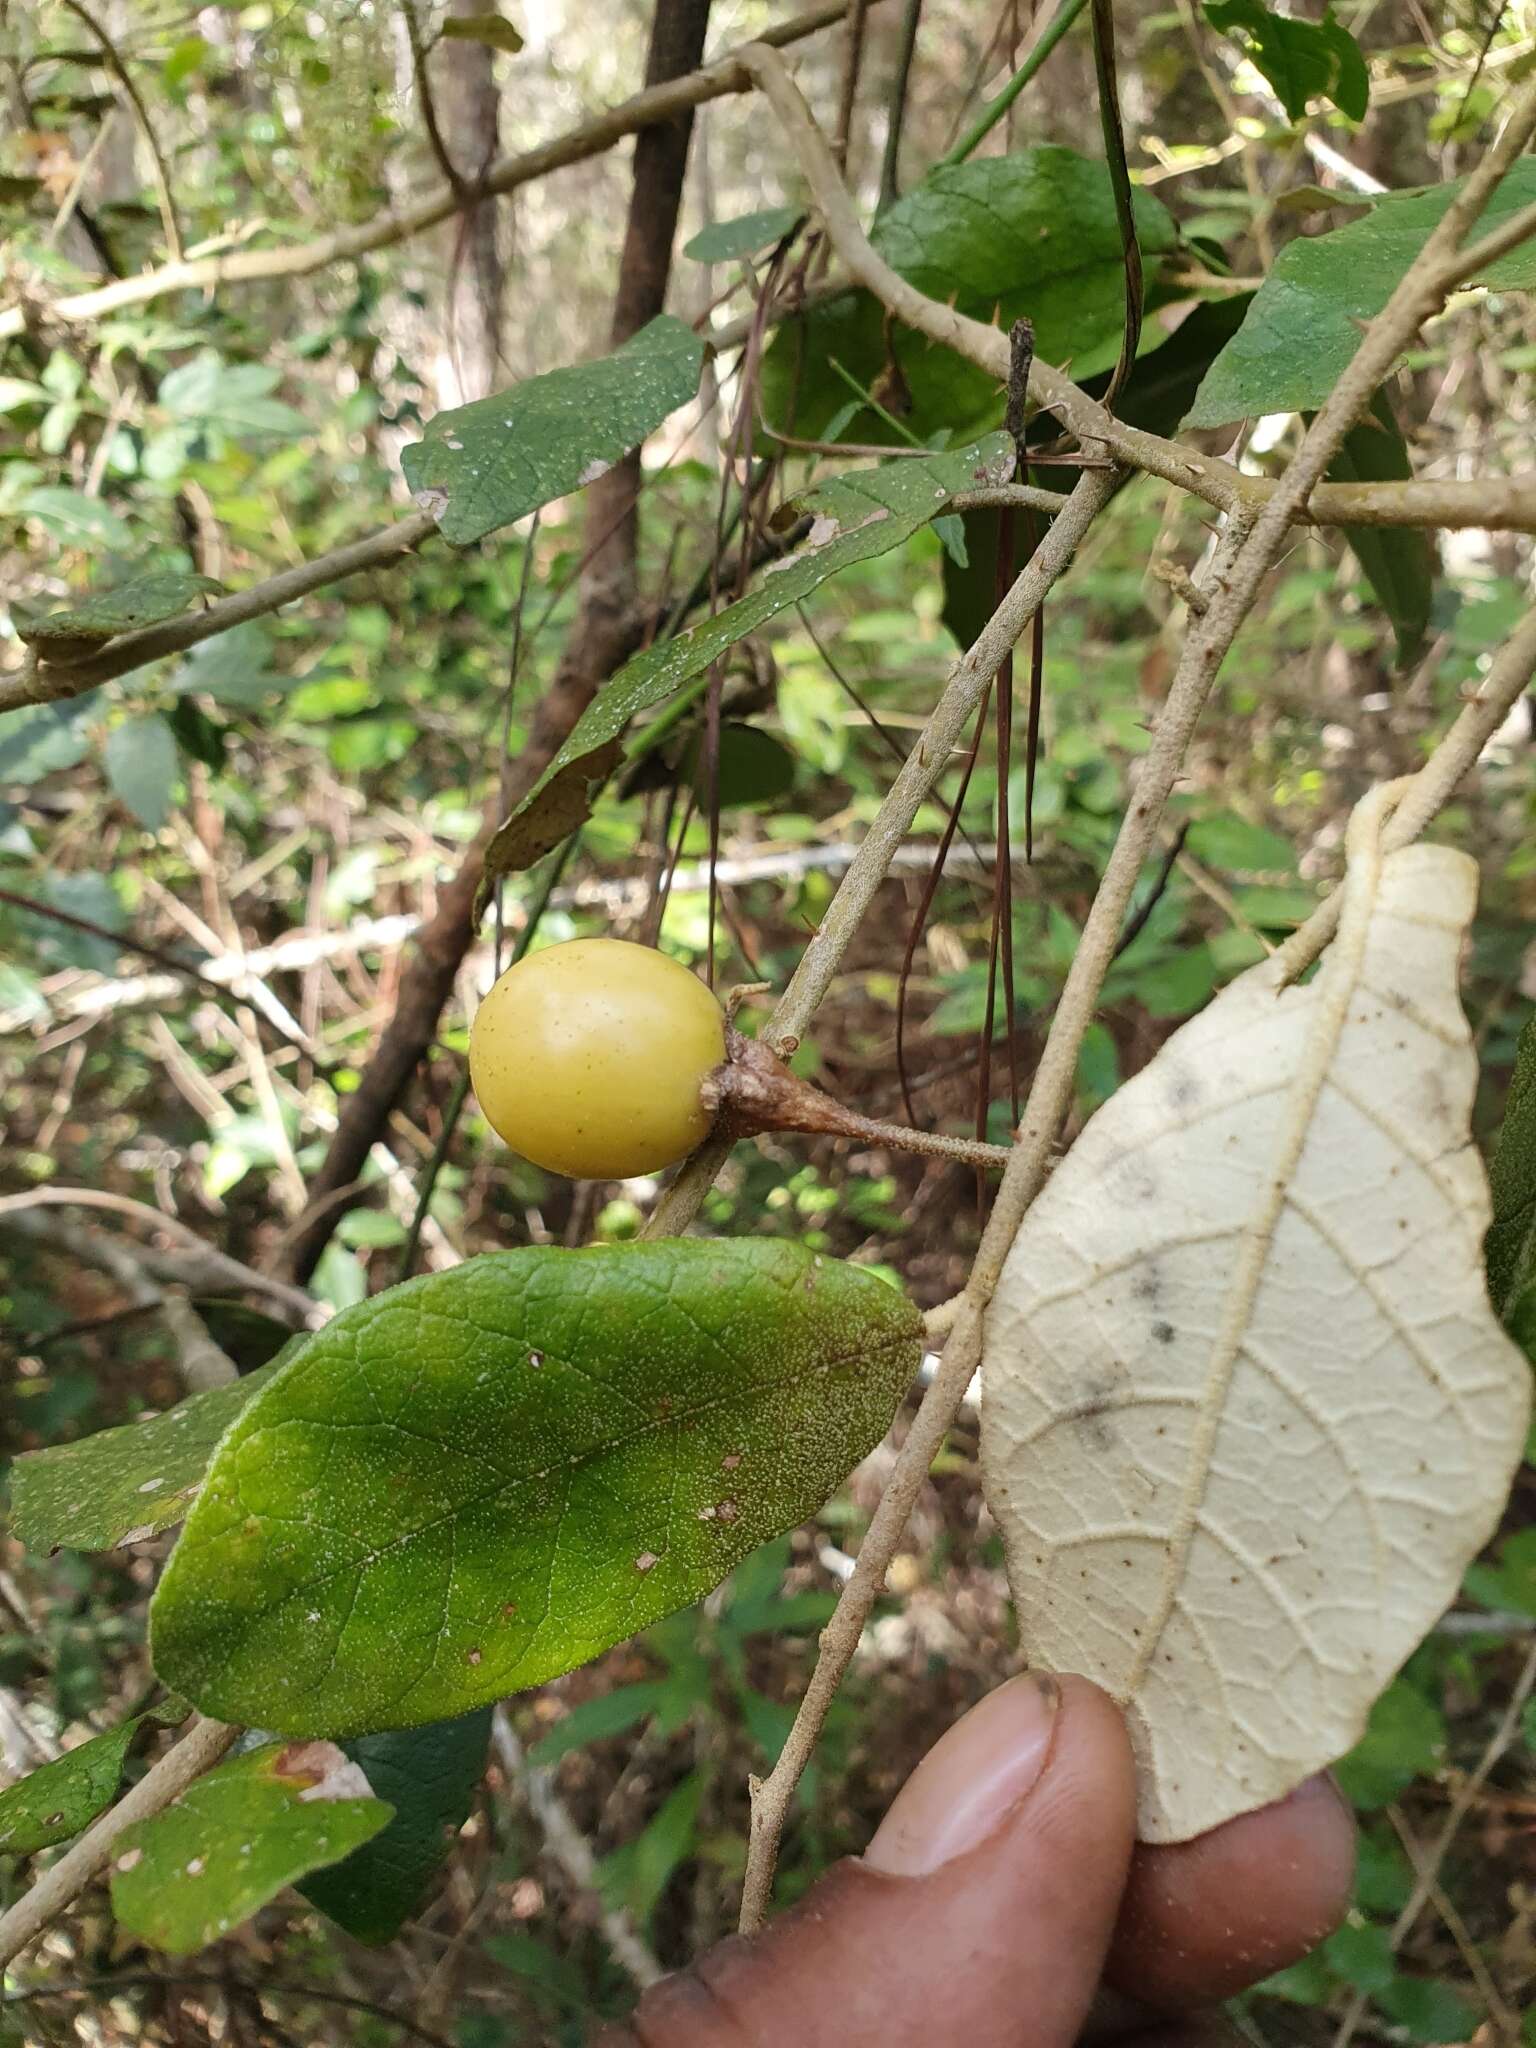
column 587, row 1058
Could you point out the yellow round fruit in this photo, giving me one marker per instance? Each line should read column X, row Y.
column 587, row 1058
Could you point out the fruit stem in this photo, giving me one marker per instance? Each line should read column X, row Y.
column 753, row 1090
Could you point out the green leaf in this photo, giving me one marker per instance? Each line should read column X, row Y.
column 43, row 738
column 428, row 1775
column 197, row 734
column 857, row 516
column 481, row 466
column 754, row 768
column 1032, row 233
column 124, row 1485
column 1510, row 1246
column 482, row 1478
column 1404, row 1739
column 236, row 1838
column 494, row 29
column 727, row 240
column 231, row 667
column 636, row 1875
column 141, row 767
column 229, row 398
column 1362, row 1954
column 1428, row 2010
column 61, row 1798
column 1157, row 394
column 141, row 601
column 1509, row 1586
column 1304, row 324
column 75, row 519
column 1399, row 562
column 1303, row 60
column 244, row 1334
column 595, row 1720
column 1238, row 848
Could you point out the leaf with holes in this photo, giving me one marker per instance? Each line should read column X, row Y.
column 1303, row 325
column 125, row 1485
column 59, row 1799
column 235, row 1838
column 855, row 517
column 483, row 465
column 484, row 1477
column 1247, row 1412
column 428, row 1775
column 1031, row 233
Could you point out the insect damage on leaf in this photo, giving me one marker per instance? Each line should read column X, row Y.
column 1247, row 1412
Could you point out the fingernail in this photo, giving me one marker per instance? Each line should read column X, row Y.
column 970, row 1781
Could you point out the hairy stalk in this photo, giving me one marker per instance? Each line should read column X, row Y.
column 200, row 1748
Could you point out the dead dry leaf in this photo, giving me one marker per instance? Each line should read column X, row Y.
column 1247, row 1413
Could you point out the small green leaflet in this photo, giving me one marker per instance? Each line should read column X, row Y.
column 140, row 757
column 124, row 1485
column 1031, row 233
column 481, row 466
column 141, row 601
column 494, row 29
column 856, row 516
column 235, row 1838
column 727, row 240
column 428, row 1775
column 1399, row 562
column 1303, row 60
column 1303, row 326
column 485, row 1477
column 61, row 1798
column 1510, row 1246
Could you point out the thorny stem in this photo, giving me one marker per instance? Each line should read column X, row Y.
column 1241, row 562
column 200, row 1748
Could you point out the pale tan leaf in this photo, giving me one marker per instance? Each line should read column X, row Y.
column 1247, row 1413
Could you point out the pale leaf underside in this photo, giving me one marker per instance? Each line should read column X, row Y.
column 1247, row 1413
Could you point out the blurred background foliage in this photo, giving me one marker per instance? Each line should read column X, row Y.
column 299, row 788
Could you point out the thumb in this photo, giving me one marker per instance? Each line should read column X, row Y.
column 978, row 1917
